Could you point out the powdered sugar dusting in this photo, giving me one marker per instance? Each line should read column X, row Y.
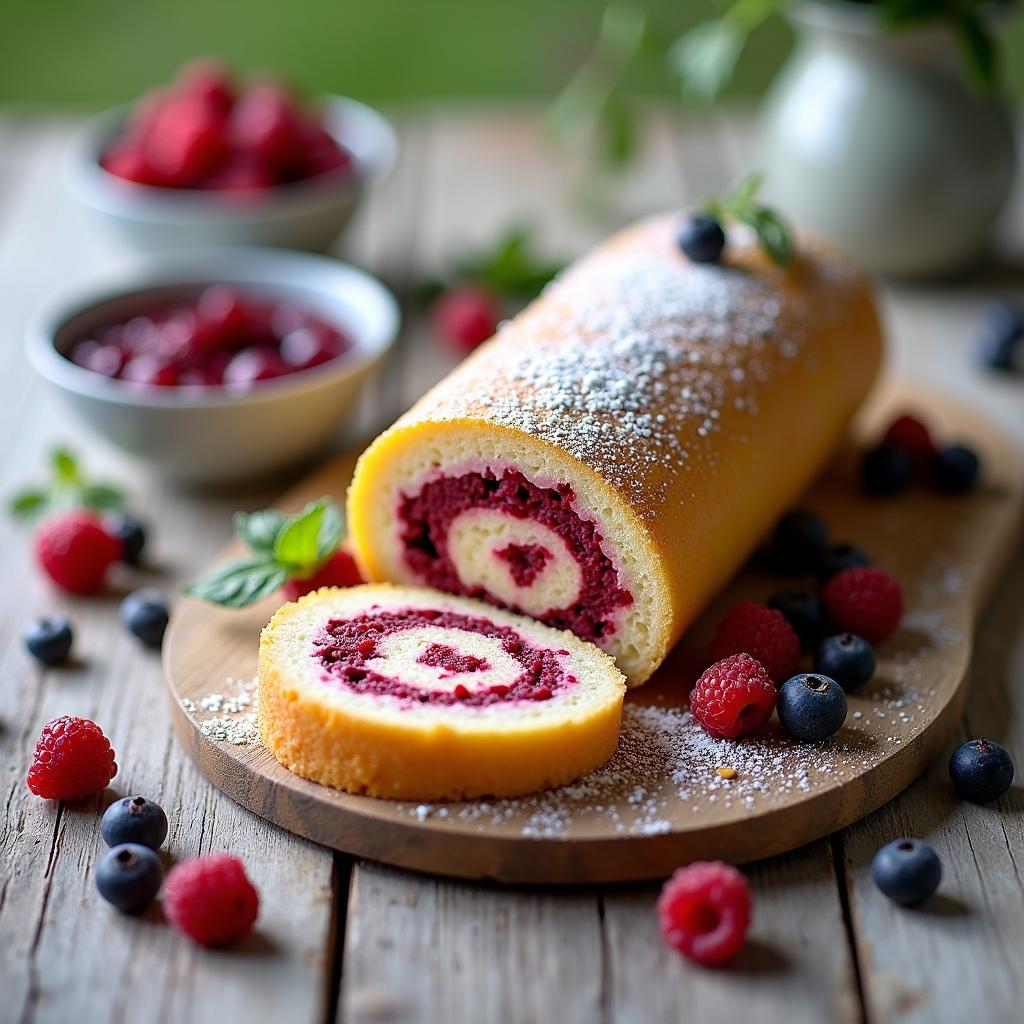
column 635, row 358
column 228, row 715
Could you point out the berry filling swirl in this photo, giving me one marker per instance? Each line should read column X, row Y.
column 500, row 537
column 430, row 656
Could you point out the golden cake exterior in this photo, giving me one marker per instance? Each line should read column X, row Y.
column 647, row 419
column 412, row 694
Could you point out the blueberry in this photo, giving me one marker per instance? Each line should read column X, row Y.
column 840, row 557
column 1001, row 335
column 847, row 659
column 702, row 238
column 803, row 611
column 981, row 770
column 134, row 819
column 49, row 640
column 811, row 707
column 955, row 469
column 129, row 876
column 131, row 534
column 885, row 470
column 798, row 543
column 908, row 871
column 145, row 614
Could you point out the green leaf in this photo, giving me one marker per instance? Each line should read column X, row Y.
column 259, row 530
column 745, row 192
column 977, row 51
column 28, row 503
column 332, row 529
column 240, row 583
column 297, row 546
column 772, row 234
column 65, row 466
column 705, row 57
column 101, row 497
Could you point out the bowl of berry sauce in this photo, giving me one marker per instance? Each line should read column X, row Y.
column 220, row 364
column 213, row 161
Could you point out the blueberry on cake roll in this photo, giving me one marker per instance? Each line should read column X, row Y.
column 410, row 693
column 610, row 458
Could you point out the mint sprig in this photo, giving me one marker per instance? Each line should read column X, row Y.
column 67, row 487
column 740, row 205
column 281, row 548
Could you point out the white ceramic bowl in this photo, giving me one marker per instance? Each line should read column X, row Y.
column 301, row 215
column 205, row 435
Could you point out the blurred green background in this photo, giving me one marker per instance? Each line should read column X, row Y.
column 75, row 53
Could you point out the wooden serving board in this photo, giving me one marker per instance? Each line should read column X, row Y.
column 661, row 801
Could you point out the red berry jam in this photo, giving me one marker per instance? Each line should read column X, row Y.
column 426, row 517
column 206, row 132
column 223, row 338
column 346, row 647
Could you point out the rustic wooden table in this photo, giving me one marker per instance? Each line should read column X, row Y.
column 357, row 942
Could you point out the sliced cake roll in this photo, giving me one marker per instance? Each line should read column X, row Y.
column 610, row 458
column 410, row 693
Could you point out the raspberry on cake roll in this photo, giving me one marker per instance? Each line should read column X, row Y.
column 409, row 693
column 611, row 457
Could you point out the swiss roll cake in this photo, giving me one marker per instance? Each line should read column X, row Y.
column 610, row 458
column 414, row 694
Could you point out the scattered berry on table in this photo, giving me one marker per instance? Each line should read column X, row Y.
column 811, row 707
column 211, row 899
column 803, row 611
column 955, row 469
column 846, row 658
column 129, row 876
column 910, row 434
column 734, row 697
column 130, row 533
column 704, row 912
column 340, row 570
column 840, row 557
column 72, row 760
column 702, row 239
column 1002, row 334
column 75, row 551
column 761, row 632
column 134, row 819
column 885, row 470
column 908, row 871
column 865, row 601
column 144, row 614
column 981, row 770
column 466, row 316
column 799, row 543
column 49, row 639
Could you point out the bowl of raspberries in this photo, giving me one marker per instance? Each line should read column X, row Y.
column 212, row 160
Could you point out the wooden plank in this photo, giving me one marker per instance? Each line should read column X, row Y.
column 63, row 952
column 421, row 949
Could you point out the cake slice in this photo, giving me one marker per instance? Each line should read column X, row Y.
column 408, row 693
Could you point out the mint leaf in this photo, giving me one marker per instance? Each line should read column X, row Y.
column 27, row 503
column 332, row 528
column 745, row 192
column 240, row 583
column 297, row 546
column 772, row 234
column 65, row 466
column 259, row 530
column 101, row 497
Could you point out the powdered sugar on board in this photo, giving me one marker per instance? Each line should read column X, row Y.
column 227, row 714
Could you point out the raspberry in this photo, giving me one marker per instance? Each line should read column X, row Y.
column 72, row 760
column 761, row 632
column 864, row 601
column 340, row 570
column 211, row 899
column 733, row 698
column 704, row 912
column 75, row 551
column 466, row 316
column 910, row 434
